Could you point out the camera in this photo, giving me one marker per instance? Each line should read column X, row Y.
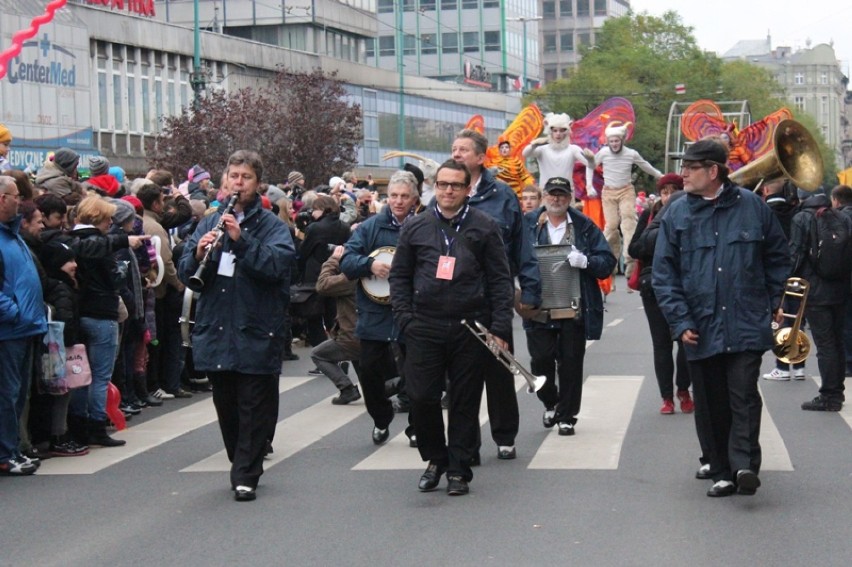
column 304, row 218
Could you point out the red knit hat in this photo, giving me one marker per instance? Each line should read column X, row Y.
column 670, row 179
column 134, row 200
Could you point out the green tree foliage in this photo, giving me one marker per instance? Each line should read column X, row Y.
column 298, row 122
column 642, row 57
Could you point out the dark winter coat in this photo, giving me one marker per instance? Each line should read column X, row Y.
column 239, row 320
column 719, row 268
column 314, row 249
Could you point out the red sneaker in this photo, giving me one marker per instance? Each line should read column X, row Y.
column 668, row 406
column 686, row 403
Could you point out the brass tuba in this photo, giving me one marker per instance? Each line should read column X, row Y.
column 792, row 345
column 795, row 155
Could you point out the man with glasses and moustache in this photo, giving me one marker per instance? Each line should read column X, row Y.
column 450, row 265
column 720, row 265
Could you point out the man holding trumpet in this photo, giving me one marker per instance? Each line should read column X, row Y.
column 239, row 321
column 450, row 265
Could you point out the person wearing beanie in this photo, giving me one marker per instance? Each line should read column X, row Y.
column 117, row 172
column 101, row 181
column 641, row 248
column 5, row 143
column 59, row 174
column 198, row 182
column 124, row 212
column 618, row 196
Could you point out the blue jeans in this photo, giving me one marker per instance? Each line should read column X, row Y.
column 14, row 383
column 101, row 339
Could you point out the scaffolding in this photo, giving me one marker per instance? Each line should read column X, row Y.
column 732, row 110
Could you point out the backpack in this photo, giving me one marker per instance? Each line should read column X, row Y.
column 830, row 252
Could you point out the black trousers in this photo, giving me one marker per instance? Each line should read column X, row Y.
column 559, row 351
column 661, row 339
column 377, row 364
column 503, row 414
column 247, row 406
column 727, row 411
column 827, row 323
column 435, row 350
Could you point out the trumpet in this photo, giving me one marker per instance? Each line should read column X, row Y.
column 505, row 357
column 196, row 281
column 792, row 345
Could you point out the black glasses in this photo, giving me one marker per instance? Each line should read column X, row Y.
column 448, row 186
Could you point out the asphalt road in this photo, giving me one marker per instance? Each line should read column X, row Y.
column 620, row 492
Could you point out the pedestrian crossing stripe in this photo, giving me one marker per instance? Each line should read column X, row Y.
column 148, row 435
column 605, row 414
column 607, row 411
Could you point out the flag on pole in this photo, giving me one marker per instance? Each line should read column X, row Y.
column 680, row 88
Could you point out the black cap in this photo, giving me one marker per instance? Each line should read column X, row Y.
column 556, row 184
column 706, row 150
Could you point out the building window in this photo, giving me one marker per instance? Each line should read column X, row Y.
column 371, row 47
column 386, row 6
column 800, row 79
column 450, row 42
column 471, row 42
column 582, row 7
column 470, row 4
column 566, row 8
column 600, row 7
column 492, row 40
column 549, row 75
column 799, row 102
column 566, row 41
column 548, row 9
column 550, row 43
column 409, row 45
column 449, row 5
column 490, row 4
column 584, row 39
column 427, row 5
column 566, row 72
column 823, row 79
column 387, row 45
column 409, row 5
column 427, row 45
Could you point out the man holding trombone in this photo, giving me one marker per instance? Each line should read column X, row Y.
column 450, row 265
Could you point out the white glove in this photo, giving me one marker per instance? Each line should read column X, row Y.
column 577, row 259
column 591, row 193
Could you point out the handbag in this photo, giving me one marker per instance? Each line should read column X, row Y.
column 78, row 373
column 305, row 301
column 53, row 357
column 633, row 281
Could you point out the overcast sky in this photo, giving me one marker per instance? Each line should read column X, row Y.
column 718, row 25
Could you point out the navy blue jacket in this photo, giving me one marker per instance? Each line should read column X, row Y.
column 719, row 268
column 239, row 320
column 589, row 240
column 497, row 200
column 375, row 321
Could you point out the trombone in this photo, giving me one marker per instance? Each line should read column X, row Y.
column 505, row 357
column 792, row 345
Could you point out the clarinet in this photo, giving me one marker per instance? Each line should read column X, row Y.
column 196, row 281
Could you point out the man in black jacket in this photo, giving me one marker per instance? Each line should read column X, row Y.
column 450, row 265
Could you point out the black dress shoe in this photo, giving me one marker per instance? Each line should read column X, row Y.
column 457, row 486
column 431, row 477
column 703, row 472
column 747, row 482
column 380, row 435
column 548, row 418
column 244, row 494
column 506, row 453
column 347, row 395
column 722, row 488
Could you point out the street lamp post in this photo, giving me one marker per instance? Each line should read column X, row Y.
column 524, row 20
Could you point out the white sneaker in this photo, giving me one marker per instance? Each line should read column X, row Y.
column 161, row 394
column 779, row 375
column 799, row 374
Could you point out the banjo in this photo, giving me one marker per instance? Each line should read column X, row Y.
column 378, row 289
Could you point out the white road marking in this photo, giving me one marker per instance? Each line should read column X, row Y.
column 145, row 436
column 775, row 456
column 615, row 322
column 607, row 409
